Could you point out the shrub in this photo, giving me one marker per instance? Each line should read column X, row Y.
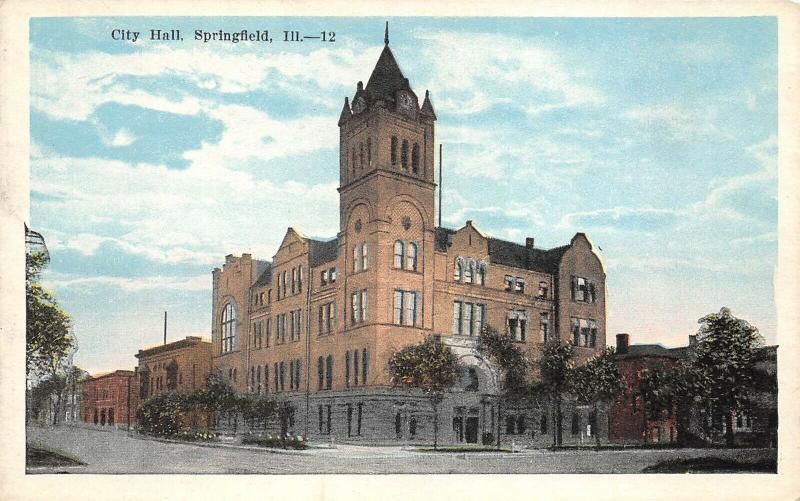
column 277, row 441
column 195, row 436
column 161, row 415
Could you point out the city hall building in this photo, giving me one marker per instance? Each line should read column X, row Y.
column 316, row 325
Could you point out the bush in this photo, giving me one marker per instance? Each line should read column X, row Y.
column 277, row 441
column 161, row 415
column 488, row 438
column 194, row 436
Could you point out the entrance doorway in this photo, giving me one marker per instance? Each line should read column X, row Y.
column 458, row 428
column 471, row 435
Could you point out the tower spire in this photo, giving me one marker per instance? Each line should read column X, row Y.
column 386, row 34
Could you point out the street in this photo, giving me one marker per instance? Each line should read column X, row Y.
column 116, row 452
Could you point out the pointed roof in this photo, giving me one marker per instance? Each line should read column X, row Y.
column 427, row 107
column 346, row 113
column 386, row 78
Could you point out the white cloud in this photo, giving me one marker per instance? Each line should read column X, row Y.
column 502, row 70
column 128, row 284
column 678, row 123
column 123, row 137
column 623, row 218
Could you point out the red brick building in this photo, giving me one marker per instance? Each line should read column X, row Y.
column 109, row 399
column 628, row 423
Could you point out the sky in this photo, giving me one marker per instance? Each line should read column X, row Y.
column 151, row 161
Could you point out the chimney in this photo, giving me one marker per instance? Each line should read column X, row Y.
column 622, row 343
column 692, row 339
column 529, row 242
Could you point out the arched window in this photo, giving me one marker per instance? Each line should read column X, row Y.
column 404, row 155
column 369, row 151
column 411, row 257
column 352, row 163
column 228, row 327
column 258, row 379
column 355, row 258
column 458, row 270
column 329, row 372
column 415, row 158
column 481, row 274
column 394, row 150
column 361, row 155
column 399, row 250
column 472, row 377
column 353, row 153
column 469, row 272
column 364, row 254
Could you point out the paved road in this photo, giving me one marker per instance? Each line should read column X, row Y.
column 115, row 452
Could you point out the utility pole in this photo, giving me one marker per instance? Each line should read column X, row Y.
column 440, row 185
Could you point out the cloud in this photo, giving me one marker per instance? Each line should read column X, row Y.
column 138, row 284
column 675, row 122
column 501, row 70
column 623, row 218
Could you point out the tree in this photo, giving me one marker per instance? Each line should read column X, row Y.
column 48, row 336
column 555, row 371
column 160, row 415
column 724, row 361
column 598, row 383
column 429, row 366
column 216, row 396
column 504, row 353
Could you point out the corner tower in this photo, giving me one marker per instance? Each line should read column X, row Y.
column 386, row 142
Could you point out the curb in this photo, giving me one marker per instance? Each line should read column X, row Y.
column 217, row 445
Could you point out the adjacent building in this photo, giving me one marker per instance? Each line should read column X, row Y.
column 109, row 399
column 316, row 324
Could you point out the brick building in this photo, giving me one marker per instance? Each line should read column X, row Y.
column 317, row 324
column 180, row 366
column 628, row 421
column 109, row 399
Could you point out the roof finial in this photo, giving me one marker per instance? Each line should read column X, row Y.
column 386, row 34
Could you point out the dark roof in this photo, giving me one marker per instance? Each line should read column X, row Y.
column 266, row 276
column 322, row 251
column 648, row 350
column 175, row 345
column 520, row 256
column 512, row 254
column 427, row 107
column 386, row 78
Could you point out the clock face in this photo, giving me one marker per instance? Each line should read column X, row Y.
column 359, row 105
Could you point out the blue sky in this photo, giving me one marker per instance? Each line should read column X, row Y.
column 657, row 137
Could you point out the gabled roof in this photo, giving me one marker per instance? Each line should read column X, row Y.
column 322, row 251
column 386, row 78
column 511, row 254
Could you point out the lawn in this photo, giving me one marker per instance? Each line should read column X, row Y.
column 713, row 465
column 40, row 456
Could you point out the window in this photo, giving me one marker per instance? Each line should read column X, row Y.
column 369, row 151
column 291, row 374
column 360, row 408
column 364, row 256
column 576, row 423
column 361, row 155
column 353, row 160
column 294, row 280
column 405, row 307
column 481, row 274
column 347, row 369
column 355, row 367
column 458, row 270
column 415, row 158
column 321, row 411
column 468, row 318
column 543, row 290
column 228, row 328
column 394, row 150
column 359, row 303
column 297, row 365
column 522, row 425
column 332, row 275
column 320, row 372
column 356, row 261
column 296, row 317
column 543, row 424
column 327, row 318
column 404, row 155
column 510, row 425
column 323, row 278
column 268, row 334
column 258, row 379
column 517, row 322
column 412, row 426
column 280, row 335
column 519, row 285
column 282, row 375
column 509, row 282
column 364, row 365
column 584, row 290
column 329, row 372
column 300, row 278
column 469, row 272
column 584, row 332
column 398, row 254
column 252, row 378
column 544, row 326
column 266, row 378
column 275, row 376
